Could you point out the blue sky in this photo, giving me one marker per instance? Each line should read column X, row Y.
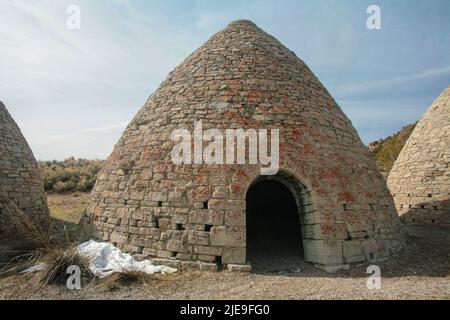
column 72, row 92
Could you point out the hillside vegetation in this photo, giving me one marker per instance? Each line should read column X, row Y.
column 385, row 151
column 70, row 175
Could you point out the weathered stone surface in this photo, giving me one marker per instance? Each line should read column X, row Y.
column 177, row 264
column 213, row 251
column 239, row 267
column 420, row 177
column 235, row 218
column 198, row 237
column 234, row 255
column 334, row 268
column 209, row 217
column 227, row 236
column 163, row 224
column 328, row 252
column 176, row 246
column 118, row 237
column 206, row 258
column 353, row 251
column 191, row 265
column 210, row 267
column 243, row 78
column 20, row 179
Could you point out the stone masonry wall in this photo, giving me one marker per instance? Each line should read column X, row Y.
column 420, row 178
column 241, row 78
column 20, row 178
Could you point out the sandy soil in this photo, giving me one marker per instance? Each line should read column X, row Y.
column 68, row 207
column 421, row 271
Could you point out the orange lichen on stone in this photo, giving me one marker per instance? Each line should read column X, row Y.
column 239, row 79
column 347, row 197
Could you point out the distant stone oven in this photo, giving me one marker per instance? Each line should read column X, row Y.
column 420, row 178
column 20, row 178
column 328, row 203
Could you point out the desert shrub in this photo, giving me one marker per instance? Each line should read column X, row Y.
column 58, row 260
column 23, row 226
column 70, row 175
column 62, row 187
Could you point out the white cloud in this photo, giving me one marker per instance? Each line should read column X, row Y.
column 57, row 82
column 73, row 91
column 71, row 135
column 386, row 83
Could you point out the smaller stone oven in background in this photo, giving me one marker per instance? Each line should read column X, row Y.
column 328, row 204
column 420, row 178
column 20, row 177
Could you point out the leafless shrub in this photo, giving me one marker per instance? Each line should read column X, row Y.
column 58, row 260
column 23, row 226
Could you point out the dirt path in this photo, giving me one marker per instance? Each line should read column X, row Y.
column 421, row 271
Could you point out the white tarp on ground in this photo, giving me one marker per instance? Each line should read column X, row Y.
column 105, row 259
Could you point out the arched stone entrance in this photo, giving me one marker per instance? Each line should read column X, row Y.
column 273, row 219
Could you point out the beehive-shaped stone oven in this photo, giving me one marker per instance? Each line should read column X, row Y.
column 327, row 202
column 20, row 178
column 420, row 178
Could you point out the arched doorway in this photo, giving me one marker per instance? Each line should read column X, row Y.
column 274, row 238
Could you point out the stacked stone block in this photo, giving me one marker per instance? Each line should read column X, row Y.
column 420, row 178
column 20, row 178
column 194, row 215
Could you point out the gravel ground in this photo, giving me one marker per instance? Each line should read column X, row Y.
column 421, row 271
